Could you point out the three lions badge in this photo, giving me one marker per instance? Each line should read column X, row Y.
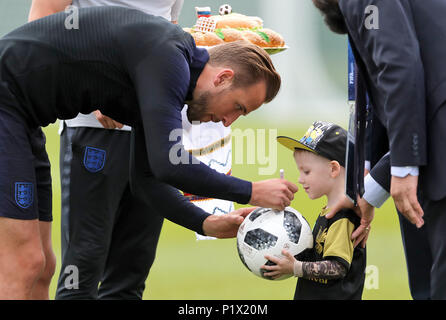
column 94, row 159
column 24, row 194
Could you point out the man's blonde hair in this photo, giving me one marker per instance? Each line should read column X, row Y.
column 250, row 63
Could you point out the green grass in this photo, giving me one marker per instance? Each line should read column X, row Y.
column 188, row 269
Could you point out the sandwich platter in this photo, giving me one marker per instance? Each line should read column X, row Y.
column 212, row 30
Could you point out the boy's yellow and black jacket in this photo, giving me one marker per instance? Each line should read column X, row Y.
column 332, row 241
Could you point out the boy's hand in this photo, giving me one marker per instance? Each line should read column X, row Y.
column 284, row 266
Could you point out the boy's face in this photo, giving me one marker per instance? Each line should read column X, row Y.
column 315, row 173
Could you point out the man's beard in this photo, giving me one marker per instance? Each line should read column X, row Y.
column 198, row 107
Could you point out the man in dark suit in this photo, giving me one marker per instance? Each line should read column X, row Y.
column 399, row 47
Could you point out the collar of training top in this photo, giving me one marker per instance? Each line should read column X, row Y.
column 199, row 60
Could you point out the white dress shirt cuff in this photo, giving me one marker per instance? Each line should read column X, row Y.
column 374, row 193
column 401, row 172
column 367, row 165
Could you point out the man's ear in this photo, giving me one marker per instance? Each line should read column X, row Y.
column 224, row 77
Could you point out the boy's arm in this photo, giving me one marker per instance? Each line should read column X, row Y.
column 326, row 269
column 337, row 254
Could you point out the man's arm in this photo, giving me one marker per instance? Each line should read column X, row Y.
column 402, row 189
column 390, row 50
column 176, row 208
column 169, row 202
column 162, row 81
column 43, row 8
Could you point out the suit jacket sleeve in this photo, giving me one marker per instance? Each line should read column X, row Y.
column 381, row 172
column 391, row 56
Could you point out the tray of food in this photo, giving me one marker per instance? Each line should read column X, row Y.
column 211, row 30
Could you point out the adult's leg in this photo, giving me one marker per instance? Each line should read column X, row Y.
column 435, row 221
column 22, row 259
column 132, row 250
column 21, row 256
column 418, row 258
column 91, row 193
column 41, row 288
column 44, row 198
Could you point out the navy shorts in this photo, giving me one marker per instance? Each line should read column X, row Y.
column 25, row 177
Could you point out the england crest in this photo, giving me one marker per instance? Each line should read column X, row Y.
column 24, row 194
column 94, row 159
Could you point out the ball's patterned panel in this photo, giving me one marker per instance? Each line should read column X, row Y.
column 257, row 213
column 240, row 254
column 259, row 239
column 292, row 225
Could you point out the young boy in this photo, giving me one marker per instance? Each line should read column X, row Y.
column 333, row 269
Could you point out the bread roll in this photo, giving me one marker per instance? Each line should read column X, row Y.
column 211, row 39
column 206, row 39
column 231, row 34
column 199, row 38
column 276, row 40
column 255, row 38
column 235, row 20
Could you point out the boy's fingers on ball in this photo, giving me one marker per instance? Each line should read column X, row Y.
column 271, row 274
column 269, row 268
column 270, row 258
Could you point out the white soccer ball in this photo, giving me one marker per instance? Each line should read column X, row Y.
column 225, row 9
column 266, row 232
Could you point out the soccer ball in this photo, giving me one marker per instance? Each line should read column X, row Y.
column 266, row 232
column 225, row 9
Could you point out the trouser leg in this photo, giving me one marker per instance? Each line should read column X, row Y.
column 93, row 177
column 435, row 221
column 132, row 251
column 418, row 258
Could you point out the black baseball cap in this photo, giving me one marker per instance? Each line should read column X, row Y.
column 322, row 138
